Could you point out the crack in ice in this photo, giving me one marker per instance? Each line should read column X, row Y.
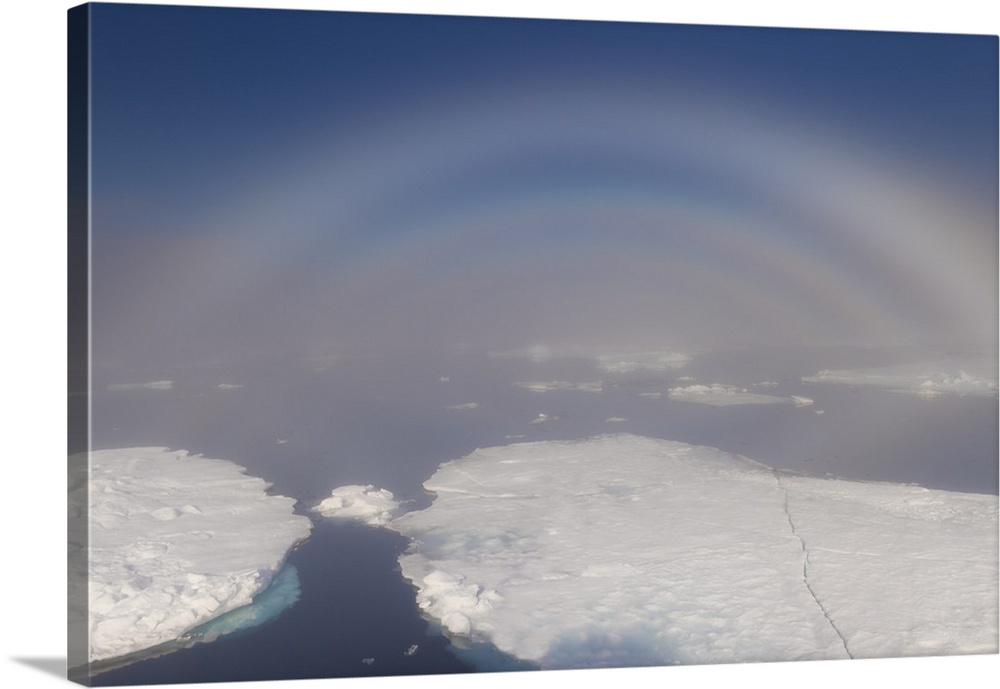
column 805, row 565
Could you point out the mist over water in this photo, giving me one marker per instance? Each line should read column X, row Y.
column 309, row 426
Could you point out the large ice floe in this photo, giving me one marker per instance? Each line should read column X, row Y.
column 177, row 541
column 622, row 550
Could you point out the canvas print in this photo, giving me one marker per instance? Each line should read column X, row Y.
column 415, row 344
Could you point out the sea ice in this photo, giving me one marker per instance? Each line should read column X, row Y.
column 548, row 386
column 622, row 550
column 174, row 541
column 283, row 592
column 927, row 380
column 152, row 385
column 718, row 395
column 359, row 503
column 642, row 361
column 610, row 360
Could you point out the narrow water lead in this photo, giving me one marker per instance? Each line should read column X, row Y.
column 357, row 617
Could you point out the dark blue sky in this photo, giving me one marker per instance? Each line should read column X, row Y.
column 187, row 84
column 352, row 162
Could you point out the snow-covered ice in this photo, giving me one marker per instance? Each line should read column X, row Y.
column 359, row 503
column 718, row 395
column 927, row 380
column 175, row 541
column 621, row 550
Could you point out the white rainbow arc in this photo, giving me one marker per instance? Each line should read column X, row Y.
column 788, row 227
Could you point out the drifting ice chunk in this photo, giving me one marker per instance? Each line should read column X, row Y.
column 359, row 503
column 609, row 360
column 152, row 385
column 723, row 395
column 642, row 361
column 621, row 550
column 175, row 541
column 541, row 386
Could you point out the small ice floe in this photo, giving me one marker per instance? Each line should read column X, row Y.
column 651, row 395
column 925, row 380
column 510, row 436
column 802, row 401
column 366, row 504
column 281, row 441
column 228, row 386
column 152, row 385
column 411, row 650
column 539, row 386
column 629, row 362
column 718, row 395
column 444, row 379
column 615, row 419
column 466, row 406
column 368, row 661
column 543, row 418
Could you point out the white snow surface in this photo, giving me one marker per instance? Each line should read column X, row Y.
column 175, row 541
column 366, row 504
column 621, row 550
column 925, row 379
